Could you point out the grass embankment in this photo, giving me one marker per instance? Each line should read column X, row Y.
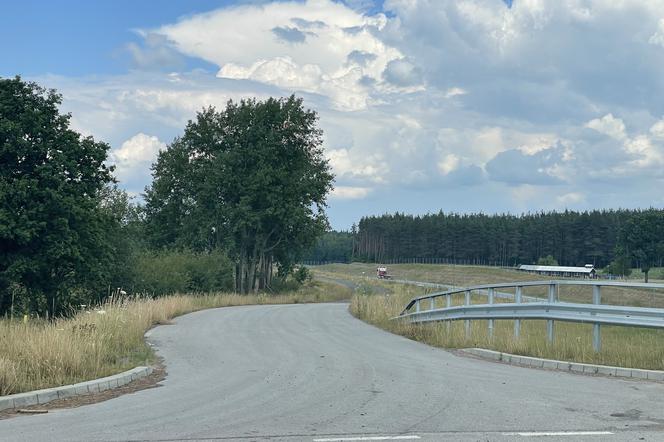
column 621, row 346
column 109, row 339
column 466, row 276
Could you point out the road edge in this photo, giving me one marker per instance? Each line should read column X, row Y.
column 39, row 397
column 574, row 367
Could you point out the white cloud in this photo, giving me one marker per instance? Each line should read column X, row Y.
column 454, row 92
column 448, row 163
column 658, row 37
column 645, row 152
column 371, row 169
column 435, row 94
column 134, row 157
column 570, row 199
column 349, row 193
column 608, row 125
column 657, row 130
column 326, row 33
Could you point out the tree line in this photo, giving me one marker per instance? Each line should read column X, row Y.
column 620, row 239
column 241, row 192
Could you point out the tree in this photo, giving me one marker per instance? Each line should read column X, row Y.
column 642, row 239
column 547, row 260
column 621, row 265
column 251, row 179
column 51, row 227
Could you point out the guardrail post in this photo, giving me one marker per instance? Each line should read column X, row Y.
column 448, row 304
column 432, row 304
column 491, row 321
column 517, row 322
column 549, row 322
column 467, row 321
column 417, row 306
column 597, row 336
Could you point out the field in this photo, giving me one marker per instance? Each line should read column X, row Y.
column 109, row 339
column 377, row 302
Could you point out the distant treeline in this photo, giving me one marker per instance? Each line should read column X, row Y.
column 572, row 238
column 331, row 247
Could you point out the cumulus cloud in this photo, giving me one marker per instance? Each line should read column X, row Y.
column 657, row 130
column 448, row 164
column 402, row 73
column 541, row 104
column 301, row 46
column 370, row 169
column 134, row 157
column 608, row 125
column 289, row 34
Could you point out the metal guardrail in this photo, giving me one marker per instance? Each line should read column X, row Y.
column 549, row 309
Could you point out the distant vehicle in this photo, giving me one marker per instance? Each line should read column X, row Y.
column 381, row 273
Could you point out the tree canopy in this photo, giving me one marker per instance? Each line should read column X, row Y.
column 51, row 225
column 642, row 239
column 251, row 179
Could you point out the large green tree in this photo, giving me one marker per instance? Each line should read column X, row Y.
column 251, row 179
column 52, row 231
column 642, row 239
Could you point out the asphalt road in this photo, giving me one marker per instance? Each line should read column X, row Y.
column 314, row 373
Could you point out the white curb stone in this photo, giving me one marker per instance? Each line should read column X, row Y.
column 44, row 396
column 576, row 367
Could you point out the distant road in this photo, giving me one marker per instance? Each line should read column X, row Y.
column 313, row 372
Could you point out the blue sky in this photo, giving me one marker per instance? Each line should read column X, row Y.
column 79, row 37
column 427, row 105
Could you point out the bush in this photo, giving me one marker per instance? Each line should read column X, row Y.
column 302, row 275
column 547, row 261
column 168, row 272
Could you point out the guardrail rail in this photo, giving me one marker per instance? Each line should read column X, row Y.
column 549, row 308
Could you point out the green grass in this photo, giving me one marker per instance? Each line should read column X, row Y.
column 107, row 340
column 465, row 276
column 377, row 302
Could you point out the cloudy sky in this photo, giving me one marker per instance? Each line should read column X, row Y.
column 427, row 105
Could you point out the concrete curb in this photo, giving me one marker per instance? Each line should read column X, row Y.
column 39, row 397
column 575, row 367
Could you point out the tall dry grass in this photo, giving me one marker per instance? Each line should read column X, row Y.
column 621, row 346
column 110, row 339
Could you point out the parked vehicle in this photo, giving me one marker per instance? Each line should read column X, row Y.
column 381, row 273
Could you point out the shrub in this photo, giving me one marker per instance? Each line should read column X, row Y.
column 547, row 260
column 168, row 272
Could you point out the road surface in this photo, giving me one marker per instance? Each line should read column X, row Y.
column 314, row 373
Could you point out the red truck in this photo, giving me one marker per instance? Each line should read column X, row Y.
column 381, row 273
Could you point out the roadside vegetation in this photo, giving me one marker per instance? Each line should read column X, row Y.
column 224, row 212
column 377, row 302
column 108, row 339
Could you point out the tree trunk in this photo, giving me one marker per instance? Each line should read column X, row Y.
column 269, row 272
column 251, row 271
column 261, row 272
column 242, row 271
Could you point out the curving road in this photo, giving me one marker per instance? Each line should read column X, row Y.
column 314, row 373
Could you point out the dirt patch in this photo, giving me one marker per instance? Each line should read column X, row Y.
column 151, row 381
